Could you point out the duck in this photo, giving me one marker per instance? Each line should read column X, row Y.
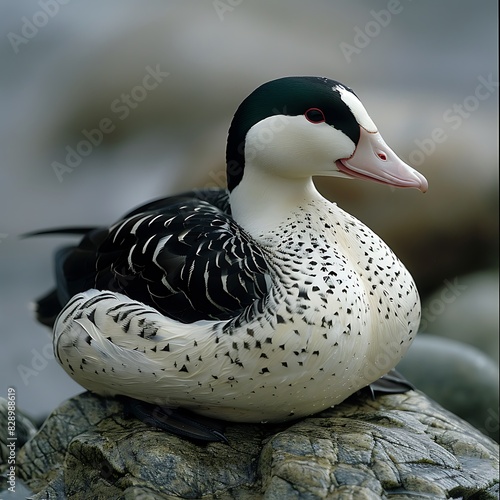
column 260, row 301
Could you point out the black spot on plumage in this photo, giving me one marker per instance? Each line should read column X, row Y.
column 91, row 316
column 126, row 327
column 78, row 315
column 125, row 314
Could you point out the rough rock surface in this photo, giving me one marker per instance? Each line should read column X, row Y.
column 402, row 446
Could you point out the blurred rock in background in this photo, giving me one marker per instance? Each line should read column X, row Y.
column 466, row 309
column 460, row 377
column 107, row 105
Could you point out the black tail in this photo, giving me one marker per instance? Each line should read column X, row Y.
column 75, row 268
column 61, row 230
column 47, row 308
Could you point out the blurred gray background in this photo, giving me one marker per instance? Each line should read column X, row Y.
column 65, row 67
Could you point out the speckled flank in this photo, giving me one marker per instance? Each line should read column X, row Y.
column 340, row 311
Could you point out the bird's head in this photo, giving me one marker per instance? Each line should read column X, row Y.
column 303, row 126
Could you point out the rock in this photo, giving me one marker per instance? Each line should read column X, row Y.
column 397, row 445
column 466, row 309
column 458, row 376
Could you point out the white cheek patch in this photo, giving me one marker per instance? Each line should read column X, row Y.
column 358, row 110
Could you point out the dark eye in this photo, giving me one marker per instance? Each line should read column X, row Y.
column 314, row 115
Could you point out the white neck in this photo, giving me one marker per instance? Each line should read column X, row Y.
column 262, row 201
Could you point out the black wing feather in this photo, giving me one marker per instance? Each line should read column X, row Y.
column 184, row 255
